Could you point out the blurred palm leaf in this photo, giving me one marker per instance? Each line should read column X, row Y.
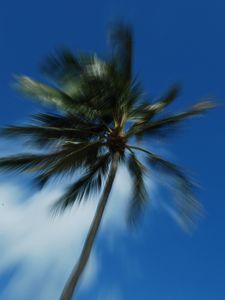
column 44, row 93
column 139, row 193
column 122, row 43
column 157, row 126
column 87, row 185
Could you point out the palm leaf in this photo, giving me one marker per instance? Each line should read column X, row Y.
column 44, row 93
column 89, row 184
column 186, row 204
column 67, row 120
column 25, row 162
column 165, row 123
column 74, row 157
column 149, row 111
column 69, row 157
column 122, row 43
column 44, row 136
column 63, row 67
column 48, row 132
column 139, row 193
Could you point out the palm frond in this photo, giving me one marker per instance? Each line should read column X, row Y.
column 63, row 67
column 149, row 111
column 167, row 99
column 185, row 201
column 55, row 97
column 25, row 162
column 66, row 160
column 139, row 193
column 166, row 123
column 48, row 132
column 45, row 94
column 67, row 120
column 70, row 159
column 89, row 184
column 122, row 43
column 44, row 136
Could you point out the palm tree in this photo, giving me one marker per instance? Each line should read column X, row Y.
column 99, row 112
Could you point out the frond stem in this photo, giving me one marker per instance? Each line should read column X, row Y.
column 129, row 147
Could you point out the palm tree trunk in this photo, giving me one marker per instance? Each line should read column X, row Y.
column 79, row 267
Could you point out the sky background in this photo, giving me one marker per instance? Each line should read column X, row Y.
column 175, row 40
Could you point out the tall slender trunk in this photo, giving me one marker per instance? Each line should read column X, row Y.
column 71, row 284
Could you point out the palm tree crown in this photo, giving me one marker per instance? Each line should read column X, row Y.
column 101, row 111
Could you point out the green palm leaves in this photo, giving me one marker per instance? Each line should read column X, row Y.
column 88, row 184
column 139, row 192
column 122, row 43
column 98, row 107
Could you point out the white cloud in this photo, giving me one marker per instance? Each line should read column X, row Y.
column 43, row 248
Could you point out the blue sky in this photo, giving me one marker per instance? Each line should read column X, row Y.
column 174, row 41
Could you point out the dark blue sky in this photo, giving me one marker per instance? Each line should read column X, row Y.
column 174, row 41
